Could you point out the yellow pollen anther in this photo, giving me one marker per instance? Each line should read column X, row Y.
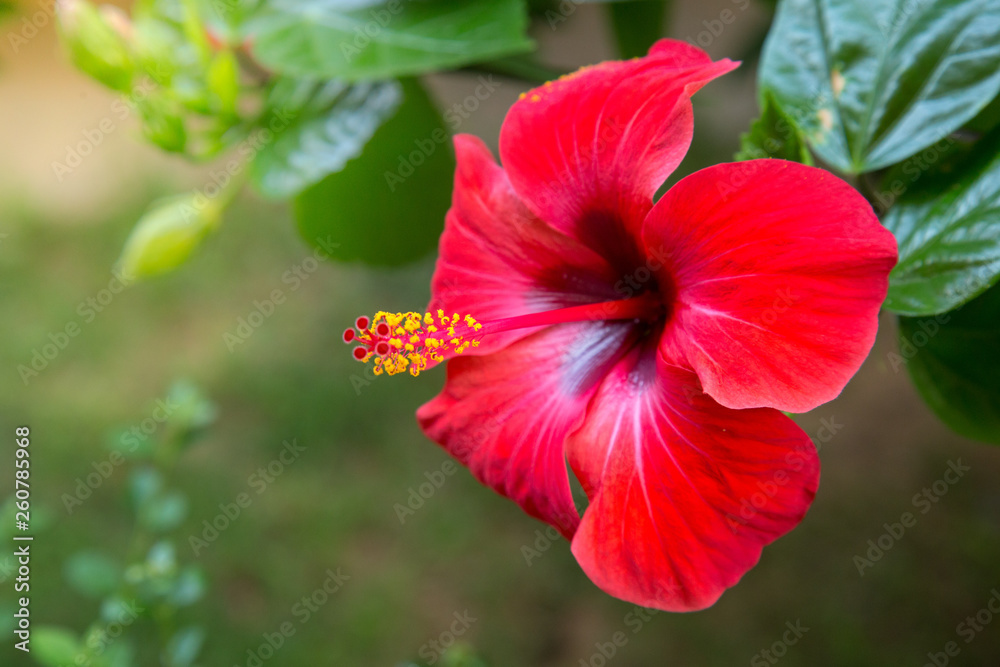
column 398, row 342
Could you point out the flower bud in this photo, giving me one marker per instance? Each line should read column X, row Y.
column 96, row 42
column 119, row 20
column 168, row 234
column 162, row 122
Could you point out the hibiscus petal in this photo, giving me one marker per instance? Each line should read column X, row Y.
column 507, row 415
column 587, row 152
column 498, row 260
column 684, row 492
column 779, row 271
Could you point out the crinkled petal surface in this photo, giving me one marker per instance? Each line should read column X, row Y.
column 507, row 415
column 779, row 271
column 497, row 260
column 771, row 275
column 684, row 492
column 587, row 152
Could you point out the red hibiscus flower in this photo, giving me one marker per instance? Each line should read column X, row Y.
column 651, row 346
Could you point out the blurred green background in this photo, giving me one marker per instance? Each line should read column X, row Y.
column 464, row 550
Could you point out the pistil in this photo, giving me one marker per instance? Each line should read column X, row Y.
column 399, row 342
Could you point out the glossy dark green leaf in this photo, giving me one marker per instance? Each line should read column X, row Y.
column 773, row 135
column 386, row 206
column 948, row 230
column 322, row 136
column 954, row 360
column 637, row 25
column 359, row 40
column 872, row 82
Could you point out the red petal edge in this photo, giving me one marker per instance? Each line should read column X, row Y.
column 605, row 138
column 685, row 493
column 780, row 270
column 506, row 417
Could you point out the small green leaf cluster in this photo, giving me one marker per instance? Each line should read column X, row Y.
column 141, row 598
column 311, row 101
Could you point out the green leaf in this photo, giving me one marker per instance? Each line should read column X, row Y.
column 637, row 25
column 91, row 573
column 387, row 206
column 161, row 561
column 331, row 39
column 183, row 647
column 193, row 411
column 320, row 139
column 144, row 484
column 226, row 17
column 872, row 82
column 954, row 360
column 773, row 135
column 128, row 444
column 165, row 512
column 54, row 647
column 948, row 232
column 188, row 588
column 116, row 609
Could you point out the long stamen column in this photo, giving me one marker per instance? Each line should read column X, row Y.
column 413, row 341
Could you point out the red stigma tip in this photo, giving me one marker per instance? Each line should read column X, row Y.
column 411, row 342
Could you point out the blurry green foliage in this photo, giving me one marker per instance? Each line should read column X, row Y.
column 379, row 40
column 152, row 586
